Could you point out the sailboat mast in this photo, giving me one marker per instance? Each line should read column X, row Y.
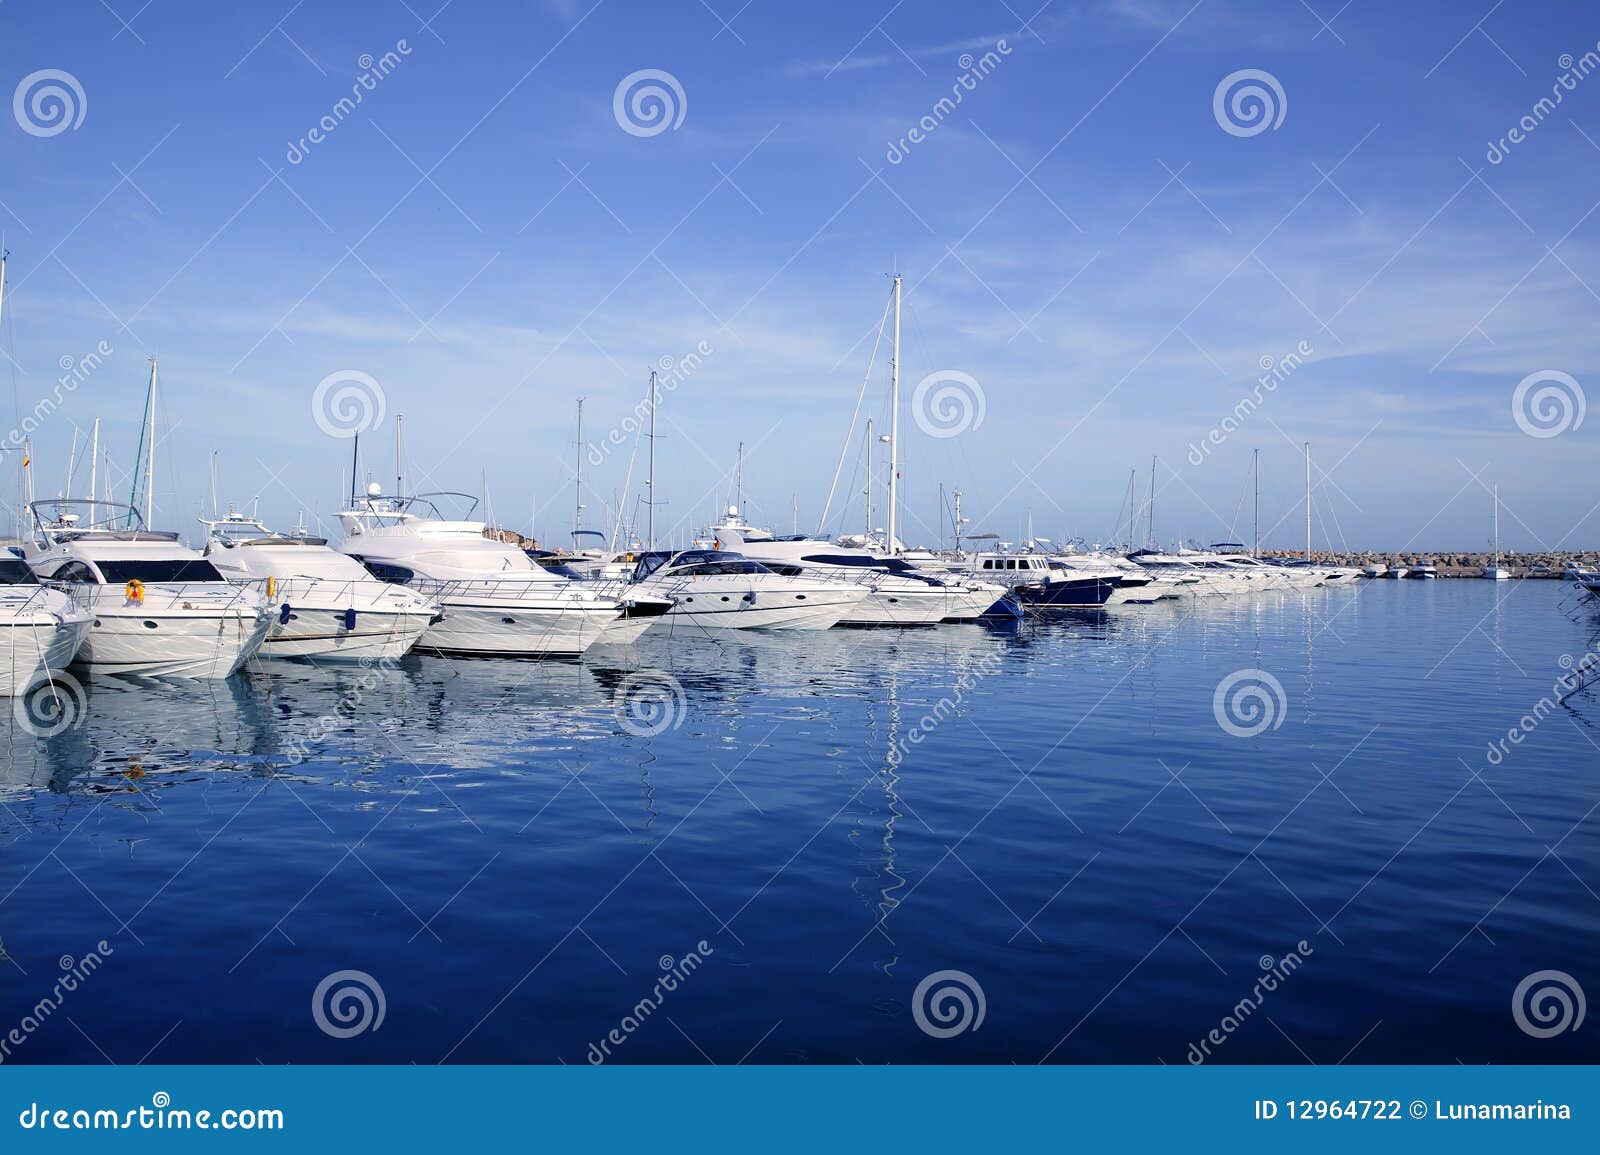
column 1308, row 501
column 738, row 484
column 94, row 460
column 894, row 426
column 577, row 501
column 399, row 429
column 870, row 479
column 355, row 466
column 957, row 496
column 213, row 484
column 1256, row 549
column 650, row 482
column 150, row 457
column 1150, row 510
column 1497, row 524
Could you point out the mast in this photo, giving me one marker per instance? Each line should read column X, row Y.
column 1150, row 510
column 1133, row 477
column 1256, row 550
column 1497, row 525
column 738, row 490
column 399, row 423
column 577, row 506
column 213, row 483
column 868, row 490
column 94, row 460
column 894, row 426
column 355, row 466
column 650, row 482
column 150, row 457
column 1308, row 501
column 957, row 495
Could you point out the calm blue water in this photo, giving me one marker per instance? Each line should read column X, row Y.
column 510, row 864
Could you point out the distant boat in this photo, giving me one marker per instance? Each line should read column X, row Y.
column 1396, row 571
column 1374, row 571
column 1425, row 571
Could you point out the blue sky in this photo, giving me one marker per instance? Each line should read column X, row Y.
column 1080, row 237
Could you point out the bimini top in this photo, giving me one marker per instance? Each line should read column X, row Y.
column 61, row 519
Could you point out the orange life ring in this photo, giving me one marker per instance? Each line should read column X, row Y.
column 135, row 591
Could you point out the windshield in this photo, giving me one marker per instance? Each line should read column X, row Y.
column 15, row 572
column 160, row 570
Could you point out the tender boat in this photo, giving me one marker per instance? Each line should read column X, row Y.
column 158, row 608
column 497, row 602
column 326, row 605
column 717, row 589
column 41, row 628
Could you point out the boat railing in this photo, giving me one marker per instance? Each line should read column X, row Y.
column 181, row 595
column 501, row 589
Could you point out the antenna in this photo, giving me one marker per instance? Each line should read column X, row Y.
column 355, row 466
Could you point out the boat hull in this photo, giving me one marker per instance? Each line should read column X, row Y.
column 181, row 644
column 508, row 629
column 1063, row 596
column 35, row 648
column 758, row 611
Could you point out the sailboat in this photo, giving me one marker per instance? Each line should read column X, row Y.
column 1494, row 571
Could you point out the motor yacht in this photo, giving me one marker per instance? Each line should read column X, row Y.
column 41, row 628
column 159, row 609
column 326, row 605
column 1425, row 571
column 899, row 594
column 718, row 589
column 496, row 601
column 1374, row 570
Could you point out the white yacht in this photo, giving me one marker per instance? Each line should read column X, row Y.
column 497, row 602
column 41, row 628
column 1494, row 571
column 898, row 593
column 158, row 608
column 717, row 589
column 1374, row 570
column 326, row 605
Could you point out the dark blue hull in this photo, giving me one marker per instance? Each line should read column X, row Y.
column 1070, row 594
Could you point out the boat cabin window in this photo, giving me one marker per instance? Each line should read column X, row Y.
column 15, row 572
column 845, row 559
column 386, row 572
column 76, row 571
column 721, row 568
column 159, row 570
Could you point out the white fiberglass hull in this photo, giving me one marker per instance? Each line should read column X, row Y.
column 318, row 633
column 898, row 607
column 816, row 610
column 35, row 647
column 203, row 643
column 507, row 628
column 309, row 620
